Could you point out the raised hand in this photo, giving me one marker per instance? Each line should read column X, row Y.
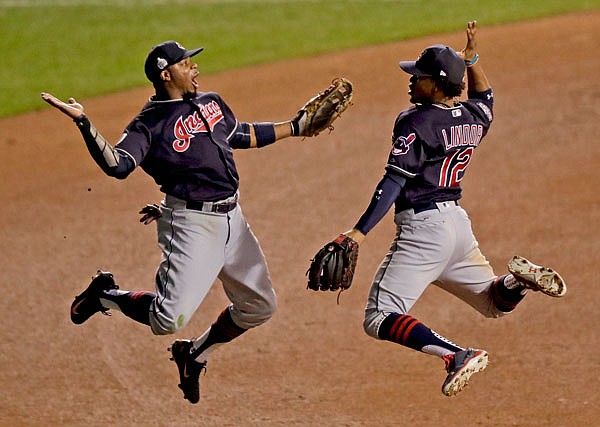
column 470, row 50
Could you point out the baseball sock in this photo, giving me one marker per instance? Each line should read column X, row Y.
column 506, row 293
column 409, row 332
column 135, row 305
column 220, row 332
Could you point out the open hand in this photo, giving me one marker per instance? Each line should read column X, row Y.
column 73, row 109
column 470, row 50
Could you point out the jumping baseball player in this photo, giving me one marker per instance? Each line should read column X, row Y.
column 432, row 145
column 184, row 140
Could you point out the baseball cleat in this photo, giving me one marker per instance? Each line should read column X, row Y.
column 537, row 278
column 88, row 303
column 189, row 369
column 460, row 366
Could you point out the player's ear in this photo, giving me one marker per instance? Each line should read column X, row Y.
column 165, row 75
column 439, row 87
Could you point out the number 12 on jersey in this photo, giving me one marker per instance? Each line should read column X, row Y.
column 454, row 166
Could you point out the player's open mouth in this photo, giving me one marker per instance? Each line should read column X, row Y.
column 195, row 82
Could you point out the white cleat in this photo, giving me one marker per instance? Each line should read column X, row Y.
column 460, row 367
column 537, row 278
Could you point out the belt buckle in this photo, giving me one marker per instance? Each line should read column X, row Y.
column 223, row 207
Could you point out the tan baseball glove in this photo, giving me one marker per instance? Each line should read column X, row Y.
column 320, row 111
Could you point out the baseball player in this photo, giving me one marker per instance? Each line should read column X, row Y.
column 432, row 145
column 184, row 138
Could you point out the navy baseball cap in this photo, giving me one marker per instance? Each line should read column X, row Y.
column 164, row 54
column 439, row 62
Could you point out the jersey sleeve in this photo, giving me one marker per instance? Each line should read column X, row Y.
column 407, row 153
column 481, row 104
column 241, row 136
column 135, row 142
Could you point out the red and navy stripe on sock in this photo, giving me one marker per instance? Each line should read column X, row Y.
column 406, row 330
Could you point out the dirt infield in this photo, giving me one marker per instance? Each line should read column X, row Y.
column 532, row 189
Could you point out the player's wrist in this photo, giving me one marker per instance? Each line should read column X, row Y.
column 298, row 123
column 82, row 118
column 355, row 234
column 265, row 133
column 472, row 61
column 295, row 128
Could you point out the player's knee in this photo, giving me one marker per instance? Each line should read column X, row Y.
column 372, row 322
column 161, row 324
column 251, row 314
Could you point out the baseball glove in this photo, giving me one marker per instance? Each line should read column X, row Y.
column 319, row 112
column 333, row 266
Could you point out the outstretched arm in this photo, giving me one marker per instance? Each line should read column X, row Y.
column 109, row 159
column 317, row 114
column 383, row 199
column 478, row 81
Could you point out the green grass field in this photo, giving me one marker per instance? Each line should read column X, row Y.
column 91, row 47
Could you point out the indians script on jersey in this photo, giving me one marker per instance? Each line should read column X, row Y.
column 185, row 128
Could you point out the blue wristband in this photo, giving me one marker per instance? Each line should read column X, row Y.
column 472, row 61
column 265, row 133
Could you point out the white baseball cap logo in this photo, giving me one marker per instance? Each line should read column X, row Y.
column 161, row 63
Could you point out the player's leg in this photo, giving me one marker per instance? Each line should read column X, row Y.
column 417, row 256
column 192, row 245
column 470, row 277
column 472, row 280
column 188, row 240
column 191, row 355
column 402, row 277
column 245, row 276
column 104, row 294
column 246, row 282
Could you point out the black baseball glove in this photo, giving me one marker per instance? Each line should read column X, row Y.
column 333, row 266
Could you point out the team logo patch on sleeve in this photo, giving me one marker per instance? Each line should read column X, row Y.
column 486, row 110
column 402, row 144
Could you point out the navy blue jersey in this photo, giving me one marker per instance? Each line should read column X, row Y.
column 433, row 145
column 169, row 140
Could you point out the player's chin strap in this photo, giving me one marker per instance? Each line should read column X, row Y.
column 338, row 295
